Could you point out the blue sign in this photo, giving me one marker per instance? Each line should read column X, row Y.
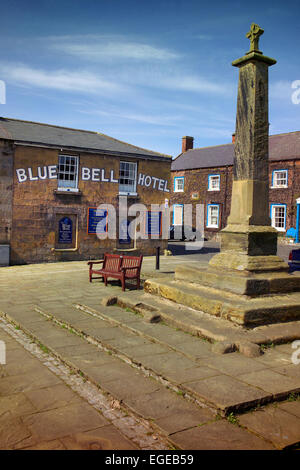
column 65, row 230
column 97, row 223
column 124, row 236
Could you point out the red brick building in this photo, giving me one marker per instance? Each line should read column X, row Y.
column 204, row 176
column 52, row 180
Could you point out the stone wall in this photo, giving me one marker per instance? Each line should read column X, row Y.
column 6, row 186
column 37, row 206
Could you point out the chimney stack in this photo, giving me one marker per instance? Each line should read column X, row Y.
column 233, row 138
column 187, row 143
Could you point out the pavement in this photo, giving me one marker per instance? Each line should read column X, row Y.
column 87, row 369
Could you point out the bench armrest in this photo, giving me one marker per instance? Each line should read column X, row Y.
column 90, row 263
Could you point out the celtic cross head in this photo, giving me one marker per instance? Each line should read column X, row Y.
column 254, row 34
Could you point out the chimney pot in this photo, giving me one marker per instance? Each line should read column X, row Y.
column 187, row 143
column 233, row 138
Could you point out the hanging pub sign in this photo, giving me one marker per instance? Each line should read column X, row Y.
column 65, row 230
column 97, row 220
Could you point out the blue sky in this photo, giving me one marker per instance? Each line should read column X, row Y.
column 144, row 72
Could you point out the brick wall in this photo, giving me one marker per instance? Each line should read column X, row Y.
column 196, row 192
column 196, row 181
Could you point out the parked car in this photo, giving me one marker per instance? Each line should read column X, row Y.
column 294, row 260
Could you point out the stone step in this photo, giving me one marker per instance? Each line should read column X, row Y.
column 239, row 309
column 206, row 380
column 239, row 282
column 138, row 393
column 123, row 366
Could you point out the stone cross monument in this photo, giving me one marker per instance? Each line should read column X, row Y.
column 249, row 242
column 246, row 283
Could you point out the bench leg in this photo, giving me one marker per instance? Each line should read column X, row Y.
column 138, row 282
column 123, row 283
column 105, row 280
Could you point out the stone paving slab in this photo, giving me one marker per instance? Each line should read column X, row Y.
column 234, row 364
column 227, row 393
column 272, row 382
column 273, row 424
column 221, row 436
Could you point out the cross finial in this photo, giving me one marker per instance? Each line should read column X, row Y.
column 254, row 34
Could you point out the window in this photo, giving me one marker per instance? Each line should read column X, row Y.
column 278, row 216
column 213, row 182
column 127, row 179
column 212, row 220
column 178, row 184
column 67, row 173
column 280, row 179
column 177, row 214
column 154, row 224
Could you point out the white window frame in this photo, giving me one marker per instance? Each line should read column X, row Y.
column 65, row 186
column 211, row 178
column 273, row 216
column 132, row 189
column 175, row 206
column 274, row 179
column 209, row 223
column 176, row 180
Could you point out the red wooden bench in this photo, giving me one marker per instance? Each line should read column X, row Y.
column 118, row 267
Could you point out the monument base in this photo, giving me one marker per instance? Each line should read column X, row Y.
column 243, row 298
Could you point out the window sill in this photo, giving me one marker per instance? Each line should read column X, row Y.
column 212, row 226
column 280, row 229
column 64, row 249
column 60, row 192
column 132, row 195
column 178, row 191
column 213, row 189
column 279, row 187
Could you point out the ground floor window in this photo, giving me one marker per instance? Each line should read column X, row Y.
column 278, row 216
column 177, row 214
column 212, row 219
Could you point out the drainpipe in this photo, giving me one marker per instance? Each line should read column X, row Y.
column 297, row 220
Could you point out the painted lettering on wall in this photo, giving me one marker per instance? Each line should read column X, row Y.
column 100, row 175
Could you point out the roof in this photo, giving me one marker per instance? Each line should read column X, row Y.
column 281, row 147
column 27, row 132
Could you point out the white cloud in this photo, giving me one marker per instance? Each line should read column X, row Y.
column 147, row 118
column 116, row 49
column 64, row 80
column 192, row 83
